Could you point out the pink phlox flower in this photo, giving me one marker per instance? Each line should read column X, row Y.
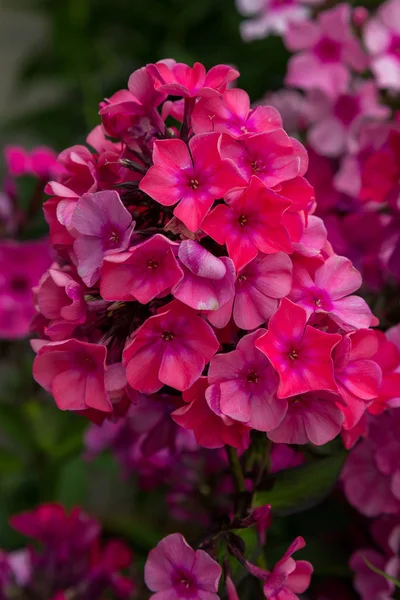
column 311, row 417
column 259, row 286
column 192, row 176
column 326, row 50
column 301, row 354
column 212, row 430
column 313, row 237
column 251, row 222
column 102, row 226
column 289, row 577
column 388, row 358
column 336, row 119
column 179, row 79
column 367, row 583
column 231, row 113
column 176, row 572
column 72, row 364
column 171, row 348
column 271, row 16
column 40, row 162
column 208, row 282
column 243, row 386
column 357, row 376
column 145, row 271
column 329, row 292
column 273, row 157
column 60, row 299
column 382, row 38
column 21, row 266
column 371, row 476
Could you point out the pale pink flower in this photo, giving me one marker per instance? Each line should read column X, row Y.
column 176, row 572
column 382, row 38
column 243, row 386
column 102, row 226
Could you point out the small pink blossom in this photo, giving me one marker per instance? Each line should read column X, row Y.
column 171, row 348
column 273, row 157
column 271, row 16
column 193, row 177
column 145, row 271
column 232, row 114
column 357, row 376
column 326, row 50
column 337, row 118
column 176, row 572
column 40, row 162
column 382, row 38
column 311, row 417
column 328, row 292
column 60, row 367
column 289, row 577
column 212, row 430
column 179, row 79
column 21, row 266
column 243, row 386
column 208, row 282
column 251, row 221
column 300, row 354
column 102, row 226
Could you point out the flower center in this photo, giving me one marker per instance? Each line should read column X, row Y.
column 252, row 377
column 167, row 336
column 257, row 165
column 317, row 301
column 242, row 220
column 293, row 355
column 113, row 239
column 152, row 264
column 242, row 278
column 194, row 184
column 19, row 284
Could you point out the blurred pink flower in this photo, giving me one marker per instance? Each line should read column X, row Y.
column 382, row 38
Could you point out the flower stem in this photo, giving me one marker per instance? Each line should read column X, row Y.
column 236, row 469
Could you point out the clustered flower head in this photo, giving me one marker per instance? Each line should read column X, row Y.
column 190, row 267
column 68, row 560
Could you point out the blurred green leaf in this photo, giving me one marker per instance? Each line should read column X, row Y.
column 72, row 483
column 298, row 489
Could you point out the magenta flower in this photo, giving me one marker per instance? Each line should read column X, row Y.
column 357, row 376
column 147, row 270
column 171, row 348
column 302, row 355
column 382, row 38
column 251, row 221
column 273, row 157
column 179, row 79
column 41, row 162
column 194, row 176
column 328, row 49
column 102, row 226
column 208, row 281
column 259, row 286
column 211, row 429
column 336, row 118
column 60, row 299
column 176, row 572
column 60, row 367
column 243, row 386
column 289, row 577
column 21, row 266
column 328, row 292
column 232, row 114
column 311, row 417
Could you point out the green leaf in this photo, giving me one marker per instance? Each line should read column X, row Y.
column 382, row 573
column 72, row 483
column 301, row 488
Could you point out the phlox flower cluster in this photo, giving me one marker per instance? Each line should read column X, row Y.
column 191, row 267
column 345, row 75
column 68, row 560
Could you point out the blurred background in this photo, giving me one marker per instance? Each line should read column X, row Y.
column 58, row 60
